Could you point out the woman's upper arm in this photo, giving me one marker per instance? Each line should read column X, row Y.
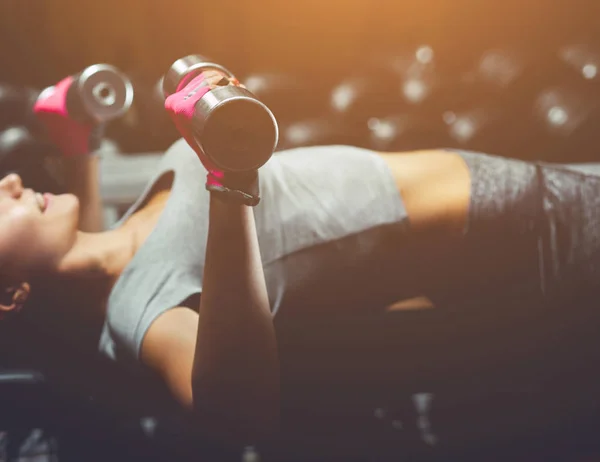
column 169, row 347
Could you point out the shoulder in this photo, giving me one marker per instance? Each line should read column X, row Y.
column 325, row 153
column 290, row 158
column 180, row 157
column 180, row 145
column 313, row 161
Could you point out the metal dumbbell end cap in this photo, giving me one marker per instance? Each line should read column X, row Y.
column 105, row 92
column 233, row 128
column 192, row 64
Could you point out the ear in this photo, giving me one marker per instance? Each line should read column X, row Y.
column 14, row 297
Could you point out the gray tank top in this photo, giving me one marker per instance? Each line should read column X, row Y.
column 327, row 223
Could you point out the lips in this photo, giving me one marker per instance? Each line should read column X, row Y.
column 41, row 201
column 47, row 200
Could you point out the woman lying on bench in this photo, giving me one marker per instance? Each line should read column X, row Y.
column 186, row 284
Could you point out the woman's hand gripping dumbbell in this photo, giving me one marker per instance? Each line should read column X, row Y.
column 230, row 130
column 76, row 109
column 73, row 114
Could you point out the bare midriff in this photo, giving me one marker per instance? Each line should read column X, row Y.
column 435, row 189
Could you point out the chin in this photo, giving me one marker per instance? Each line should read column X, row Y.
column 66, row 205
column 73, row 207
column 72, row 201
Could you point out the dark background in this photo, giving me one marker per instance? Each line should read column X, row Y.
column 318, row 44
column 43, row 41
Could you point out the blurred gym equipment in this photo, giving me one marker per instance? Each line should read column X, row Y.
column 23, row 152
column 497, row 76
column 406, row 132
column 499, row 90
column 584, row 60
column 318, row 131
column 389, row 83
column 484, row 128
column 16, row 105
column 145, row 126
column 393, row 102
column 290, row 97
column 566, row 118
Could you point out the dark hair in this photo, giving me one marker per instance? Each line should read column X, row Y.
column 38, row 334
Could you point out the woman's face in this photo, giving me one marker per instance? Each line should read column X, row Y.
column 36, row 230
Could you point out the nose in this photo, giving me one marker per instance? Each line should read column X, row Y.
column 12, row 184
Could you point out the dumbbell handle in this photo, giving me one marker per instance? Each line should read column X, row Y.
column 185, row 69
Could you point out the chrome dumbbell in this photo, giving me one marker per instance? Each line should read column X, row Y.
column 235, row 130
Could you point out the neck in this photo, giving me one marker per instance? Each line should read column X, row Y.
column 97, row 259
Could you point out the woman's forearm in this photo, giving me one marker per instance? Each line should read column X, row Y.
column 82, row 178
column 236, row 369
